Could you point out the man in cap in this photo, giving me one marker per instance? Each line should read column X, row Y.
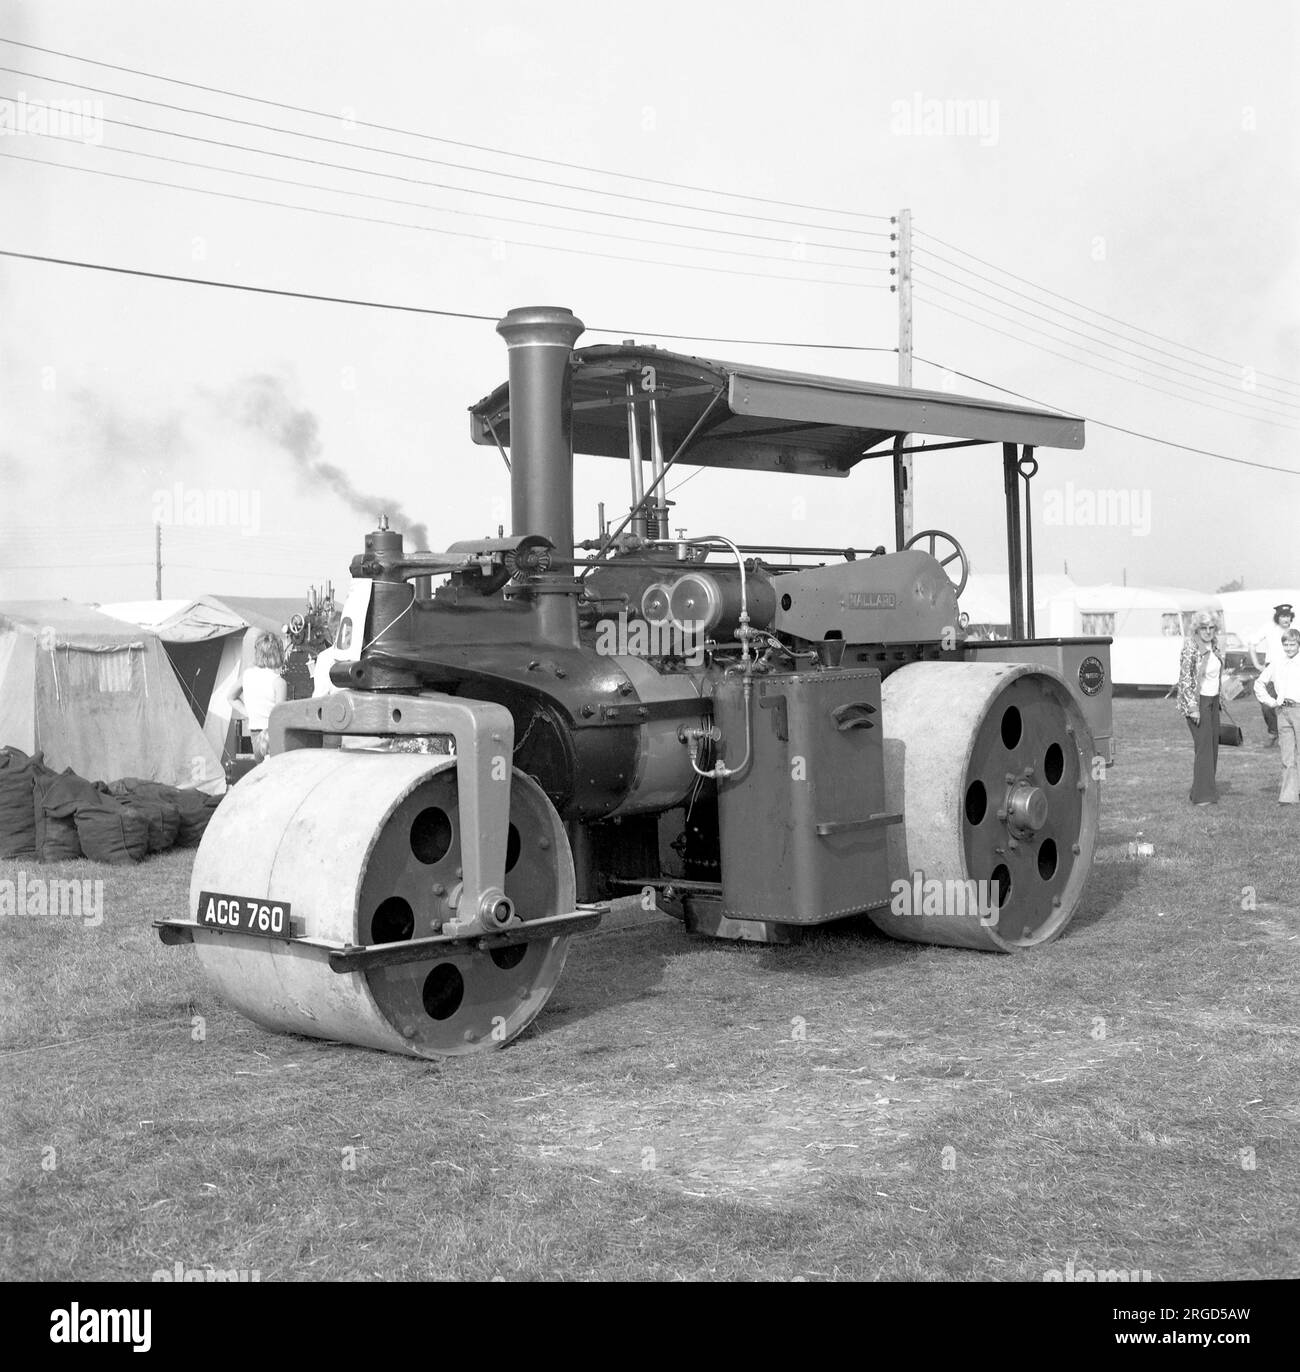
column 1271, row 644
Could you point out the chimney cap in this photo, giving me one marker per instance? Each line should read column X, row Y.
column 547, row 326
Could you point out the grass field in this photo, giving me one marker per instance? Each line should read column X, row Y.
column 1125, row 1098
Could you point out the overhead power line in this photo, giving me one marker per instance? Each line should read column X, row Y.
column 1237, row 367
column 468, row 214
column 422, row 309
column 236, row 286
column 460, row 314
column 1235, row 391
column 450, row 142
column 1078, row 362
column 428, row 161
column 1101, row 423
column 463, row 190
column 1263, row 416
column 453, row 233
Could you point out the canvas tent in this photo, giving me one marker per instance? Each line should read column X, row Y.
column 204, row 640
column 98, row 695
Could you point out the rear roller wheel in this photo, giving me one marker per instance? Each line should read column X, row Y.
column 990, row 764
column 366, row 849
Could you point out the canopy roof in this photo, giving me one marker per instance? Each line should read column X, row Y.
column 769, row 420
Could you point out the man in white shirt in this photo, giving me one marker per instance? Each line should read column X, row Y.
column 1281, row 678
column 1270, row 643
column 327, row 657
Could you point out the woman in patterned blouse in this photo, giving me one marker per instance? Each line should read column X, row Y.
column 1200, row 678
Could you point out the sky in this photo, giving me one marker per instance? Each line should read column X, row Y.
column 1104, row 198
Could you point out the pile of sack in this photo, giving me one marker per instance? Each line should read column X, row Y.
column 58, row 815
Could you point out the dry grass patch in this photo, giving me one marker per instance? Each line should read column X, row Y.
column 847, row 1108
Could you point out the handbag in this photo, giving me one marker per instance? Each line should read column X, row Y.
column 1229, row 734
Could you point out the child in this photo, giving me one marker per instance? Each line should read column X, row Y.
column 260, row 689
column 1283, row 676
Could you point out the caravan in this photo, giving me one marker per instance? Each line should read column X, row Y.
column 1146, row 623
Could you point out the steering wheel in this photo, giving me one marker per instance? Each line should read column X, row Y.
column 958, row 552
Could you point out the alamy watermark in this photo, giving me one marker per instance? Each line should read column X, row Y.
column 922, row 118
column 207, row 1272
column 72, row 1324
column 208, row 506
column 82, row 121
column 1109, row 508
column 624, row 637
column 1095, row 1274
column 929, row 897
column 73, row 898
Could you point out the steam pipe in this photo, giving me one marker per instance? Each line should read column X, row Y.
column 659, row 518
column 681, row 448
column 744, row 632
column 634, row 463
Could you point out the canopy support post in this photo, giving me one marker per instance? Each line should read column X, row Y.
column 1015, row 569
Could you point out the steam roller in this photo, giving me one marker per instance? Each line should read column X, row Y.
column 758, row 739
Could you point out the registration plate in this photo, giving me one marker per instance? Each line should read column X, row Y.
column 244, row 915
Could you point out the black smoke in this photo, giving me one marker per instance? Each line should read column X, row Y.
column 262, row 404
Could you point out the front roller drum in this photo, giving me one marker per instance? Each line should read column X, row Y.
column 991, row 767
column 366, row 849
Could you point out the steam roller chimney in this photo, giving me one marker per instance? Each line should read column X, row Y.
column 540, row 339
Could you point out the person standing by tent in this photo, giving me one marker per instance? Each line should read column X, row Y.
column 1200, row 678
column 327, row 657
column 1282, row 677
column 1271, row 642
column 260, row 689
